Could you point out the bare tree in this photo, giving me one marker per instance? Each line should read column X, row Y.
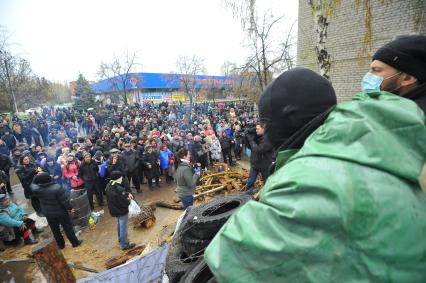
column 14, row 74
column 269, row 54
column 186, row 77
column 118, row 72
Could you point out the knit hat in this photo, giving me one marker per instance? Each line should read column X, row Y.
column 42, row 178
column 115, row 175
column 98, row 154
column 406, row 53
column 291, row 101
column 3, row 196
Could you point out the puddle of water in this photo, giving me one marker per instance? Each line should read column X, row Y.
column 20, row 272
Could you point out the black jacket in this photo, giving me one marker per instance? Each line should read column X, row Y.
column 132, row 160
column 26, row 174
column 120, row 165
column 225, row 143
column 5, row 163
column 118, row 202
column 88, row 171
column 54, row 199
column 151, row 158
column 261, row 153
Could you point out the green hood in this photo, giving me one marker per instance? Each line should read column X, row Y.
column 346, row 208
column 361, row 132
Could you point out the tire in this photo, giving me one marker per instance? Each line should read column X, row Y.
column 178, row 262
column 199, row 273
column 192, row 246
column 206, row 220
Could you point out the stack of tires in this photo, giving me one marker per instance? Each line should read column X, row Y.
column 185, row 261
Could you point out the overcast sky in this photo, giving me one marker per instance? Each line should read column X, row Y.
column 61, row 38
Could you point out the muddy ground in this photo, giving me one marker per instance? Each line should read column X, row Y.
column 98, row 244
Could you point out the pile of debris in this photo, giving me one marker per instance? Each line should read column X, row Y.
column 221, row 178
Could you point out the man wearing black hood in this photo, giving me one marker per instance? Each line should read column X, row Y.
column 341, row 177
column 290, row 112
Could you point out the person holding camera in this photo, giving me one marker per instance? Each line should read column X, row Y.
column 261, row 155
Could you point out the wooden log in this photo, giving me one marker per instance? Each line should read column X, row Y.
column 119, row 260
column 200, row 188
column 166, row 204
column 235, row 185
column 209, row 181
column 230, row 173
column 52, row 263
column 209, row 191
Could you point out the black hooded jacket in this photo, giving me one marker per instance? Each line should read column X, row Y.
column 118, row 202
column 418, row 95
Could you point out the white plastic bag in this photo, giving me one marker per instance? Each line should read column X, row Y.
column 134, row 209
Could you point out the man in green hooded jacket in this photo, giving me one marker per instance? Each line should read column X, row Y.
column 348, row 206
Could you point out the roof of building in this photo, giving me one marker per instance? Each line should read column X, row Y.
column 161, row 81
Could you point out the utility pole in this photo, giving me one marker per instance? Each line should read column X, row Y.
column 8, row 80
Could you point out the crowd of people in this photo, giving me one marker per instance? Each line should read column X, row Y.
column 81, row 151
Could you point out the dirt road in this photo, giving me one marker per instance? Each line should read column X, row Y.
column 98, row 244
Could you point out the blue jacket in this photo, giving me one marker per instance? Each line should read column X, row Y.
column 103, row 169
column 11, row 216
column 54, row 170
column 164, row 158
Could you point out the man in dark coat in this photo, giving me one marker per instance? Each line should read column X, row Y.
column 261, row 156
column 89, row 172
column 5, row 164
column 55, row 204
column 118, row 206
column 9, row 140
column 26, row 172
column 151, row 162
column 226, row 145
column 131, row 157
column 3, row 148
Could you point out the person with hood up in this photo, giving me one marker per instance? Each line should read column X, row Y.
column 56, row 206
column 118, row 205
column 336, row 186
column 54, row 170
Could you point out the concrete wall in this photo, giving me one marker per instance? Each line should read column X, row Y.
column 345, row 34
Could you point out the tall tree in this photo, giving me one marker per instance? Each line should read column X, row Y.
column 118, row 72
column 85, row 97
